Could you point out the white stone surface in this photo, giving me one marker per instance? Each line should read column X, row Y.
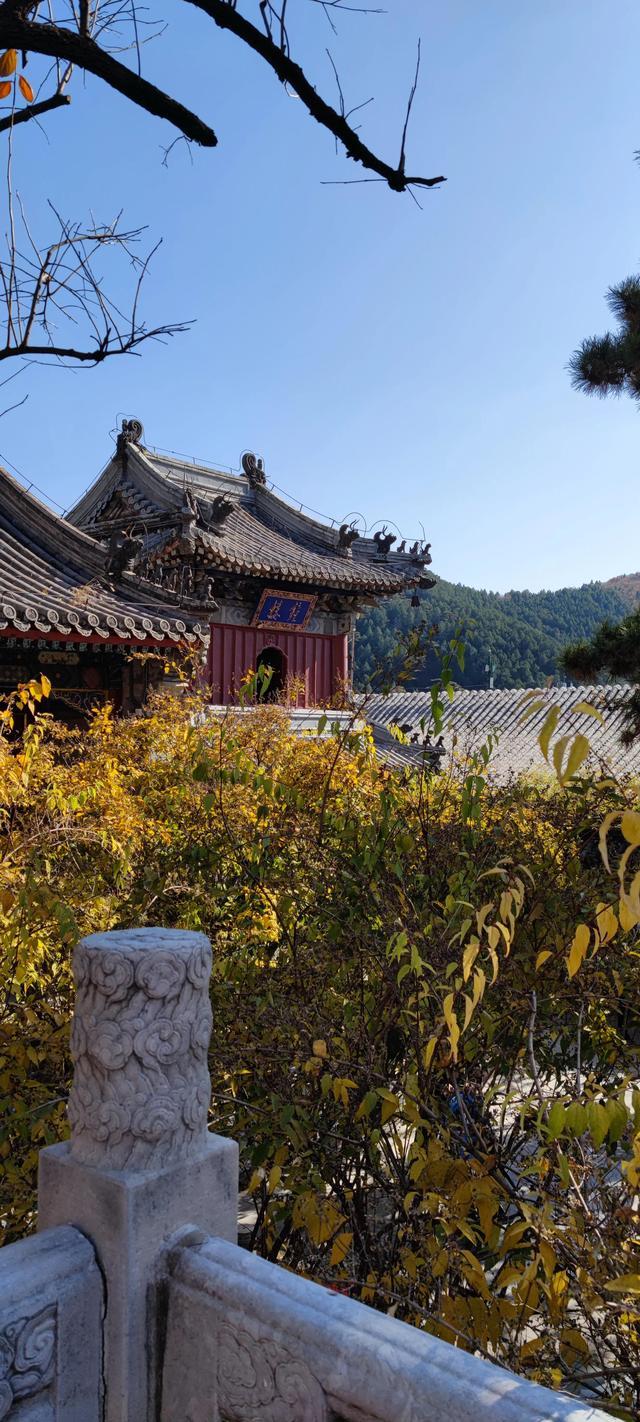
column 290, row 1351
column 51, row 1310
column 132, row 1182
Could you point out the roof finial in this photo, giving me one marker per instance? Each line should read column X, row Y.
column 254, row 470
column 132, row 432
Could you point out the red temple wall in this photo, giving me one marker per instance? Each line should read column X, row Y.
column 319, row 661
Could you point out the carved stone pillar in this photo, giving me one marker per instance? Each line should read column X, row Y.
column 141, row 1030
column 141, row 1168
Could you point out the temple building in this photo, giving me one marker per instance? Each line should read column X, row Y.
column 277, row 587
column 71, row 611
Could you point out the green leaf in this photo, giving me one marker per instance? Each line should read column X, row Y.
column 598, row 1122
column 618, row 1117
column 576, row 1118
column 556, row 1120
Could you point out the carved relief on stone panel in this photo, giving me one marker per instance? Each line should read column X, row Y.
column 259, row 1380
column 27, row 1355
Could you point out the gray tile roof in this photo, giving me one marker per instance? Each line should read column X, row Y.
column 53, row 581
column 263, row 536
column 474, row 715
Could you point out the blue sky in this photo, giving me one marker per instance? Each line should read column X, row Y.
column 406, row 364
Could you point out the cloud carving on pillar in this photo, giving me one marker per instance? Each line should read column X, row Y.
column 139, row 1041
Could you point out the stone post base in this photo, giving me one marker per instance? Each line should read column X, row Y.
column 131, row 1219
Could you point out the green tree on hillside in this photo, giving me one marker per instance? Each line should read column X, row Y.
column 522, row 633
column 615, row 651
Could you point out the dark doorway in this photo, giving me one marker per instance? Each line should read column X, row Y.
column 271, row 660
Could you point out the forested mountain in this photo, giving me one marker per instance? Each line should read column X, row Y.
column 628, row 586
column 520, row 633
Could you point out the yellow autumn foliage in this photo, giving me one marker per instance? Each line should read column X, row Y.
column 425, row 996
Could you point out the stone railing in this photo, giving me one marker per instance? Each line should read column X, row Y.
column 136, row 1305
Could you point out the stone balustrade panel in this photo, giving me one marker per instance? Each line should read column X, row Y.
column 271, row 1347
column 51, row 1308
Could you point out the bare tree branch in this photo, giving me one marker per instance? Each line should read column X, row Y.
column 225, row 14
column 16, row 32
column 268, row 39
column 52, row 302
column 412, row 95
column 33, row 111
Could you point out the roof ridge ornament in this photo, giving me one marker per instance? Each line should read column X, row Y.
column 131, row 432
column 383, row 541
column 347, row 534
column 122, row 552
column 254, row 470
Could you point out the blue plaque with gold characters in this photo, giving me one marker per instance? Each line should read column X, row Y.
column 287, row 612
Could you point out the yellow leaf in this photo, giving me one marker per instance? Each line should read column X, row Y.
column 496, row 965
column 502, row 928
column 275, row 1176
column 429, row 1050
column 512, row 1236
column 607, row 923
column 319, row 1216
column 469, row 957
column 482, row 915
column 579, row 752
column 25, row 89
column 340, row 1247
column 452, row 1024
column 320, row 1048
column 531, row 1346
column 548, row 730
column 255, row 1182
column 586, row 709
column 542, row 957
column 632, row 897
column 479, row 985
column 628, row 919
column 548, row 1257
column 574, row 1342
column 578, row 950
column 557, row 1290
column 440, row 1264
column 630, row 826
column 558, row 756
column 602, row 838
column 8, row 62
column 390, row 1105
column 624, row 1284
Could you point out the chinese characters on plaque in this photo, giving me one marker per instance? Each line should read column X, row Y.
column 288, row 612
